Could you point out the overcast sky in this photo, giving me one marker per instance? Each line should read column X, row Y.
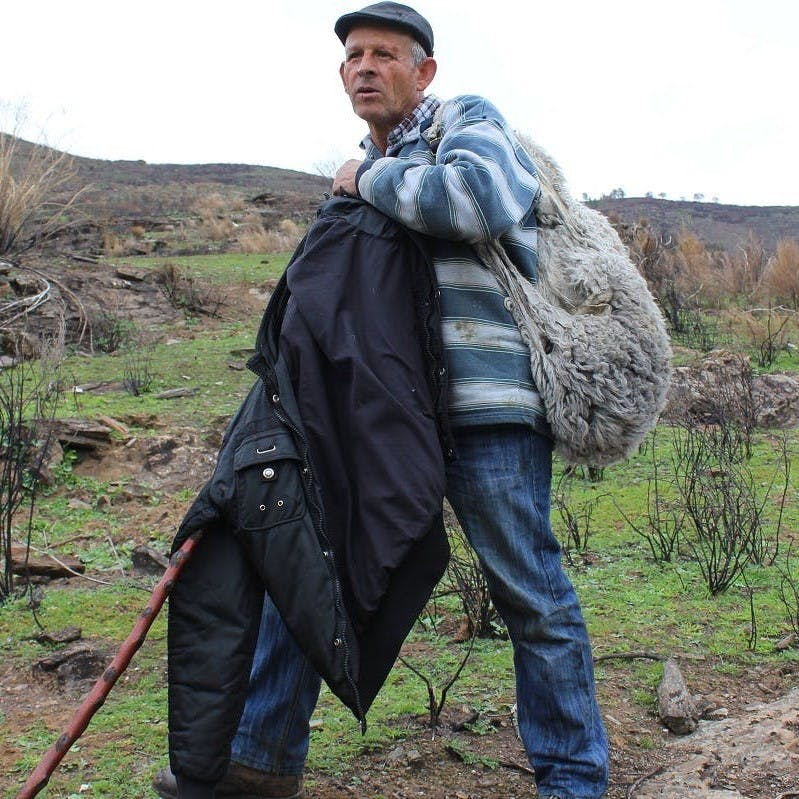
column 680, row 97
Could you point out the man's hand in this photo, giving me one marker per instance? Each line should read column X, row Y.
column 344, row 182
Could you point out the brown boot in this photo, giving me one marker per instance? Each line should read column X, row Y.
column 240, row 782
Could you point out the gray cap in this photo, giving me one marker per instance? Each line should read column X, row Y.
column 390, row 15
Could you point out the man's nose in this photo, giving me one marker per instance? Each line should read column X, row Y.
column 366, row 64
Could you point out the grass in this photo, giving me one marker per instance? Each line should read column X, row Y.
column 200, row 363
column 198, row 357
column 222, row 268
column 631, row 602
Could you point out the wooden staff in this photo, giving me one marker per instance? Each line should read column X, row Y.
column 40, row 776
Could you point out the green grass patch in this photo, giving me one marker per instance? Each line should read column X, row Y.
column 201, row 364
column 222, row 268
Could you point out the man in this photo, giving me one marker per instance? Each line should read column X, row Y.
column 455, row 172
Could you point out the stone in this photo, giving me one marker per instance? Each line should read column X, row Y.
column 73, row 665
column 723, row 384
column 148, row 560
column 717, row 386
column 676, row 707
column 43, row 564
column 776, row 399
column 44, row 458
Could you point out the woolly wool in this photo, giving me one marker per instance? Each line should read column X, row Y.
column 600, row 353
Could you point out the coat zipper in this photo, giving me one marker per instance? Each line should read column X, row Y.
column 316, row 506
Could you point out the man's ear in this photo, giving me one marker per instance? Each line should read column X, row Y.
column 341, row 73
column 427, row 71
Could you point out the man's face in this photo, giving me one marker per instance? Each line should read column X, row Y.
column 380, row 78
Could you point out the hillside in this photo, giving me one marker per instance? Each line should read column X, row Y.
column 159, row 299
column 138, row 188
column 131, row 189
column 718, row 226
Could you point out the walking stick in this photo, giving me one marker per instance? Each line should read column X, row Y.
column 40, row 776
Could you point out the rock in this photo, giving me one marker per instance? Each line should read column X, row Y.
column 161, row 452
column 243, row 352
column 465, row 630
column 396, row 754
column 722, row 384
column 176, row 393
column 132, row 273
column 676, row 707
column 148, row 560
column 81, row 433
column 43, row 564
column 760, row 747
column 776, row 399
column 26, row 285
column 65, row 636
column 78, row 504
column 44, row 458
column 73, row 665
column 20, row 344
column 719, row 386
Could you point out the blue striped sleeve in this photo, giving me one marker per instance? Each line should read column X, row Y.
column 481, row 184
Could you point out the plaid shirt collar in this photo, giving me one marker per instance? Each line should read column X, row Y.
column 409, row 127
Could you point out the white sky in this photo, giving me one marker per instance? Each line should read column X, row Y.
column 681, row 97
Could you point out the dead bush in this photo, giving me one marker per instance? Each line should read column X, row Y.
column 253, row 237
column 217, row 228
column 116, row 245
column 781, row 280
column 35, row 193
column 112, row 331
column 188, row 294
column 214, row 212
column 768, row 329
column 465, row 579
column 704, row 275
column 749, row 264
column 655, row 255
column 209, row 205
column 113, row 245
column 29, row 394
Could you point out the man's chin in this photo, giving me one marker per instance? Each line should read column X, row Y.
column 368, row 112
column 366, row 105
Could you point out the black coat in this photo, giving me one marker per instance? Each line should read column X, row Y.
column 328, row 487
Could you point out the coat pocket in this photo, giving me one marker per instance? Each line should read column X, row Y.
column 268, row 485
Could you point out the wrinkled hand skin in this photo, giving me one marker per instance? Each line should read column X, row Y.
column 344, row 182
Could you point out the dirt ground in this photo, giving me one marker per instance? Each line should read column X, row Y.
column 752, row 753
column 750, row 750
column 749, row 747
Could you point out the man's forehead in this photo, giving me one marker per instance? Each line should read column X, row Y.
column 361, row 35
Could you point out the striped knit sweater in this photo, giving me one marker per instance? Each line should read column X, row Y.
column 478, row 185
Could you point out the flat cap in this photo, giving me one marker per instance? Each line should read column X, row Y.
column 390, row 15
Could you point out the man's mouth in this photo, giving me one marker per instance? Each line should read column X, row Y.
column 367, row 91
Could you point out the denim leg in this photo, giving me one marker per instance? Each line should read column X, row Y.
column 273, row 732
column 499, row 488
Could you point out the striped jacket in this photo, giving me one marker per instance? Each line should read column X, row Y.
column 478, row 184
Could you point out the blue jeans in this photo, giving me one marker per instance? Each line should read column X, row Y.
column 499, row 488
